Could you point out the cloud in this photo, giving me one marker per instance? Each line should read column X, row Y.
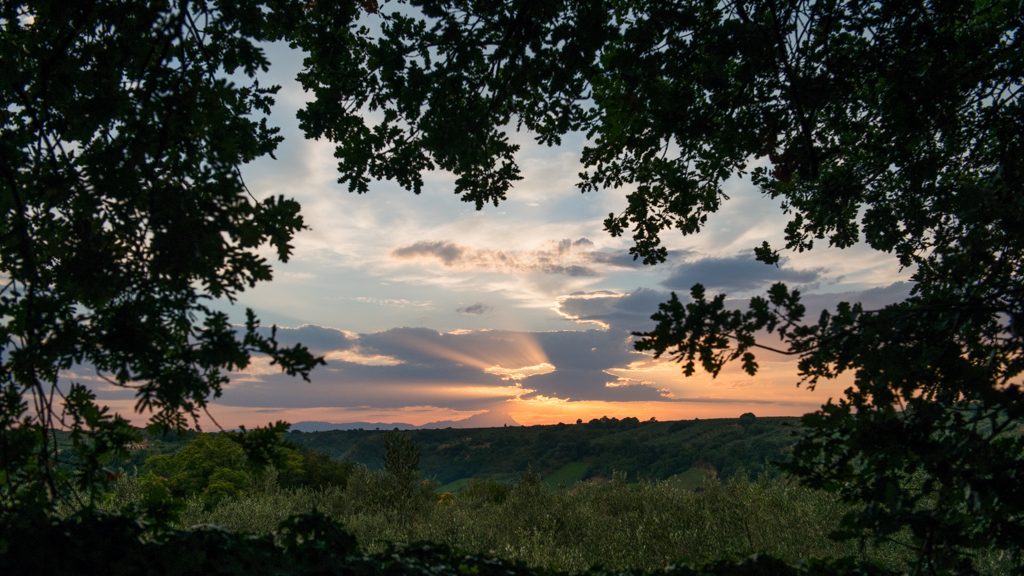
column 519, row 374
column 587, row 385
column 583, row 360
column 622, row 311
column 447, row 252
column 871, row 299
column 318, row 339
column 574, row 258
column 473, row 369
column 356, row 356
column 618, row 259
column 478, row 308
column 399, row 302
column 735, row 274
column 557, row 258
column 459, row 370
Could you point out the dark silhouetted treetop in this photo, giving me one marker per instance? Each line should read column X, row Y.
column 898, row 124
column 123, row 216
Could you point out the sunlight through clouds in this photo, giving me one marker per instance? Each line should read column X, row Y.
column 354, row 356
column 423, row 301
column 518, row 374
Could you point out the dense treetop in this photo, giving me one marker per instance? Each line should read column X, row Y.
column 124, row 215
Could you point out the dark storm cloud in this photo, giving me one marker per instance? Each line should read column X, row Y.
column 595, row 350
column 478, row 308
column 738, row 273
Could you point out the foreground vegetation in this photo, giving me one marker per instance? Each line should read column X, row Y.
column 305, row 545
column 604, row 523
column 209, row 487
column 208, row 481
column 646, row 525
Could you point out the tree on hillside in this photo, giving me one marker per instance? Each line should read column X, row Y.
column 899, row 124
column 124, row 216
column 401, row 457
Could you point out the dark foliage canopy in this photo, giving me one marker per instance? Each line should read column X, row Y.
column 123, row 217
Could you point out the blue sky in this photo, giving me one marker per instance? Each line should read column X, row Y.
column 427, row 309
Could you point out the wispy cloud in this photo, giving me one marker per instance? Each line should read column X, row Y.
column 400, row 302
column 447, row 252
column 557, row 259
column 568, row 257
column 478, row 308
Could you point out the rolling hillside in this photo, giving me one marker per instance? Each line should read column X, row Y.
column 564, row 453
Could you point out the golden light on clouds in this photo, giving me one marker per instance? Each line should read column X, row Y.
column 458, row 391
column 775, row 383
column 522, row 349
column 355, row 356
column 558, row 308
column 430, row 347
column 518, row 374
column 509, row 355
column 259, row 366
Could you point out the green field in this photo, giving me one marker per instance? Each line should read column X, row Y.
column 567, row 475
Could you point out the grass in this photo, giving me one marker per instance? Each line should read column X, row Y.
column 567, row 475
column 618, row 525
column 694, row 478
column 455, row 486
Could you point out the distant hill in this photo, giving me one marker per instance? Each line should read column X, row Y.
column 488, row 419
column 327, row 426
column 564, row 453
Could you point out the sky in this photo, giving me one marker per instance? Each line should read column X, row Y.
column 428, row 310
